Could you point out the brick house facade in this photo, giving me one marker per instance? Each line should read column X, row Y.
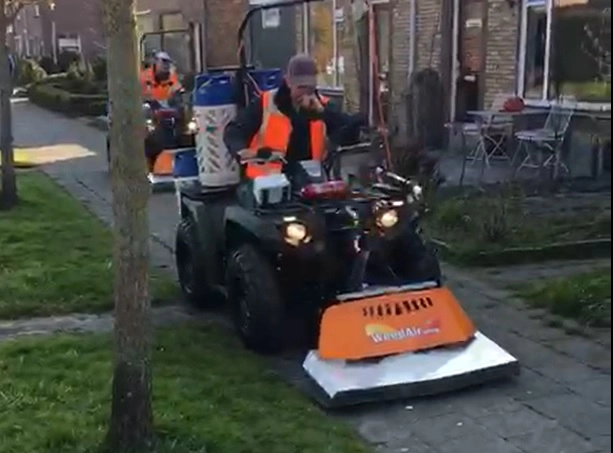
column 486, row 46
column 220, row 18
column 80, row 20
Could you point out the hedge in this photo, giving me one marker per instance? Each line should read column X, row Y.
column 52, row 97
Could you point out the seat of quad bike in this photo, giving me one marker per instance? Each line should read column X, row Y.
column 163, row 163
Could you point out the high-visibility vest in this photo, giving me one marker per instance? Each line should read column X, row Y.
column 274, row 133
column 159, row 91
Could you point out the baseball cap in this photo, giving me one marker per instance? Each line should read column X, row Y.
column 302, row 71
column 162, row 56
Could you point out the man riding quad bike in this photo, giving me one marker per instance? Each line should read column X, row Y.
column 294, row 236
column 168, row 121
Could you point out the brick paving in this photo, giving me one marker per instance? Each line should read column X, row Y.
column 561, row 403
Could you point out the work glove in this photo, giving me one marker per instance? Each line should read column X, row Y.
column 264, row 153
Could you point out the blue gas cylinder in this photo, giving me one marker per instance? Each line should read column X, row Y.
column 213, row 90
column 185, row 164
column 267, row 79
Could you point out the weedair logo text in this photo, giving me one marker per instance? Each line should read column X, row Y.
column 401, row 334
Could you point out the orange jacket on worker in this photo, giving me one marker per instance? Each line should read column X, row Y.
column 275, row 132
column 161, row 91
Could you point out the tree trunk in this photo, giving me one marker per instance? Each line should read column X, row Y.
column 8, row 192
column 131, row 413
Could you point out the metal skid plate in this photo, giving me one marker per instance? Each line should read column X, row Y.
column 340, row 383
column 161, row 182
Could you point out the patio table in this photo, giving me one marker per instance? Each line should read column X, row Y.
column 598, row 139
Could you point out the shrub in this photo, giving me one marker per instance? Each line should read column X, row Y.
column 67, row 58
column 48, row 64
column 54, row 97
column 29, row 71
column 99, row 69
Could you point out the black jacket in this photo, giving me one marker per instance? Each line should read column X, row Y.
column 239, row 132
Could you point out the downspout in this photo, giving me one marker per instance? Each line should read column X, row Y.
column 412, row 39
column 371, row 63
column 203, row 33
column 455, row 70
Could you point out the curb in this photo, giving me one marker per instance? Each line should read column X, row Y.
column 99, row 123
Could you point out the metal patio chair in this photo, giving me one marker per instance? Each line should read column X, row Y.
column 547, row 141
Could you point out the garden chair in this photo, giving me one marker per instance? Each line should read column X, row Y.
column 547, row 141
column 492, row 129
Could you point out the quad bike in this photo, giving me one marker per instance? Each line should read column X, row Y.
column 348, row 257
column 299, row 243
column 169, row 127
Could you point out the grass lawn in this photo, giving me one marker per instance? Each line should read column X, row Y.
column 55, row 257
column 585, row 297
column 55, row 398
column 490, row 222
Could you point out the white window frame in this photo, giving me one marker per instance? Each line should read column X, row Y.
column 544, row 101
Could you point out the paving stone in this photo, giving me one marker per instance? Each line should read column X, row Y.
column 544, row 360
column 552, row 440
column 438, row 430
column 484, row 443
column 576, row 413
column 410, row 445
column 602, row 443
column 515, row 422
column 586, row 351
column 530, row 385
column 597, row 390
column 565, row 370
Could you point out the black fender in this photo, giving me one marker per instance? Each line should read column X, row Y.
column 208, row 219
column 242, row 225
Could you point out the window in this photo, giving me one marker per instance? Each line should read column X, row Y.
column 565, row 50
column 177, row 42
column 382, row 36
column 172, row 21
column 322, row 40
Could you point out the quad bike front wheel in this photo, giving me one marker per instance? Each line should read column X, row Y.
column 257, row 308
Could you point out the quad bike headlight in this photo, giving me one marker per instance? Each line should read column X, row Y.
column 295, row 233
column 149, row 124
column 192, row 127
column 387, row 218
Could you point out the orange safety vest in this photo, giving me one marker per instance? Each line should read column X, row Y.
column 158, row 91
column 274, row 133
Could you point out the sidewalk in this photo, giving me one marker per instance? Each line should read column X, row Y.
column 560, row 404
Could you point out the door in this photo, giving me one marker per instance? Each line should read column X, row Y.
column 471, row 56
column 272, row 36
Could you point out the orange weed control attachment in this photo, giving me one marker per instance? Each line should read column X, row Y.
column 400, row 342
column 393, row 323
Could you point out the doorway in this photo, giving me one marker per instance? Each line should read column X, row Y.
column 470, row 72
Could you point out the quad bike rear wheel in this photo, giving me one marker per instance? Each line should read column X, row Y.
column 192, row 278
column 257, row 308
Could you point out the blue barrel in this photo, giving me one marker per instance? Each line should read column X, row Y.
column 267, row 79
column 185, row 164
column 212, row 90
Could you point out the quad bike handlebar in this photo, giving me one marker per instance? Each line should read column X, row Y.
column 246, row 157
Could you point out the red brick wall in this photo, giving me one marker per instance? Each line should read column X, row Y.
column 224, row 18
column 500, row 30
column 501, row 56
column 84, row 18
